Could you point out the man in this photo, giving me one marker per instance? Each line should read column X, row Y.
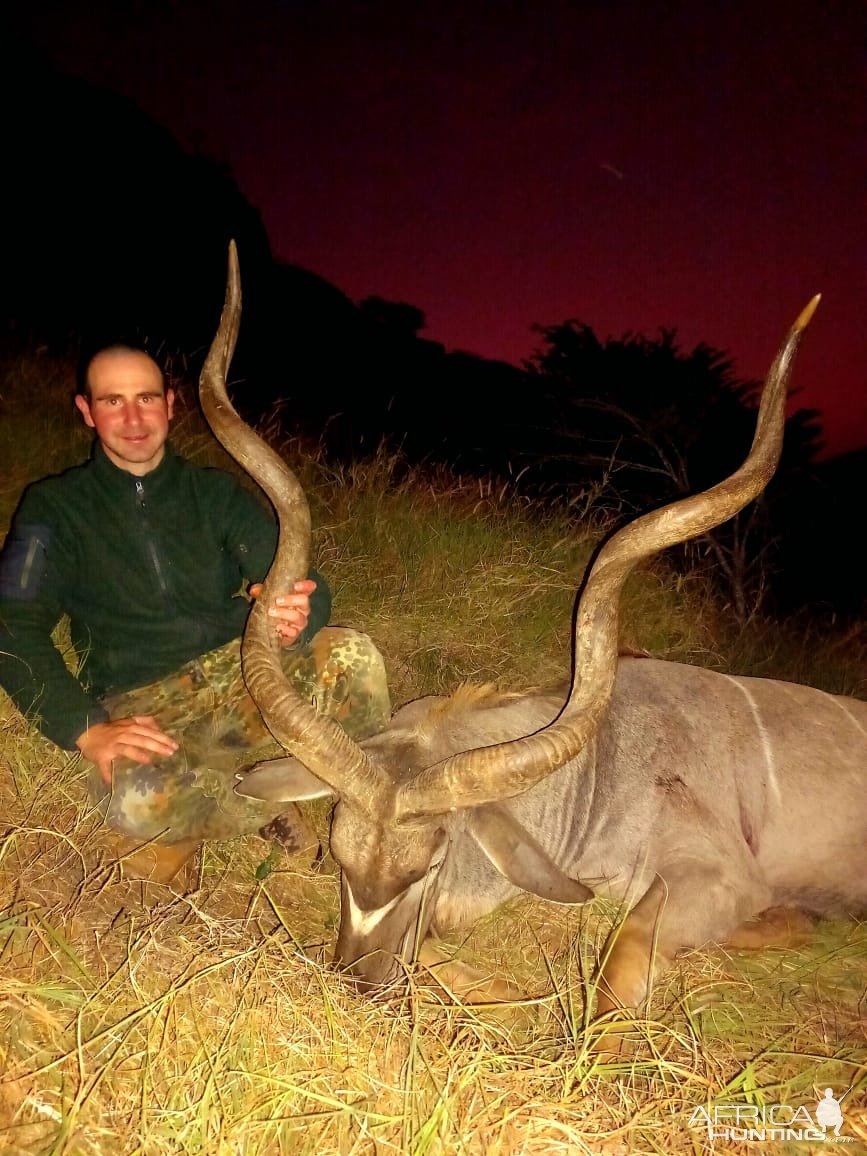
column 148, row 555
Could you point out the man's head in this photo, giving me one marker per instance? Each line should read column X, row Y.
column 124, row 398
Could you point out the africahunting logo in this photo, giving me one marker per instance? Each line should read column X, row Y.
column 780, row 1122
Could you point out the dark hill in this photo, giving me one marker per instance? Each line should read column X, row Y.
column 111, row 230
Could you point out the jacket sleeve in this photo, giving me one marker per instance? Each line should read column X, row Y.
column 32, row 670
column 252, row 538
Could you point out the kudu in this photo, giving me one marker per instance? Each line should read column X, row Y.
column 701, row 799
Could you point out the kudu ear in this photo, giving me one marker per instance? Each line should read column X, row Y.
column 517, row 856
column 281, row 781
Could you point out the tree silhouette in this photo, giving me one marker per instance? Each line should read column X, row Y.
column 656, row 424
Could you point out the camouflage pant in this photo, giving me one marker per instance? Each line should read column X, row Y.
column 205, row 707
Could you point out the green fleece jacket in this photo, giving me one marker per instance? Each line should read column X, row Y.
column 150, row 571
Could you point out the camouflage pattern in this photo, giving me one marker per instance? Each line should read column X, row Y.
column 205, row 707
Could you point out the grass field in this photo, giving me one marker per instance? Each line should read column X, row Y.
column 206, row 1019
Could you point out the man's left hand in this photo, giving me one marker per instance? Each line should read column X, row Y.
column 289, row 611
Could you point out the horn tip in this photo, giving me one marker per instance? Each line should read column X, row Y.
column 806, row 314
column 233, row 278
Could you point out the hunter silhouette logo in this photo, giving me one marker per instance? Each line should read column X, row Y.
column 828, row 1113
column 779, row 1122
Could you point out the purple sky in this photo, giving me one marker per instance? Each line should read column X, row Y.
column 633, row 165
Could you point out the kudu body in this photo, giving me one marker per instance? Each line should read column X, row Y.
column 701, row 799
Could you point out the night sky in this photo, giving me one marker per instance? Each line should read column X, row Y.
column 633, row 165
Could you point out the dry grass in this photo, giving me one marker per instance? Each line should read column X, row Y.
column 209, row 1022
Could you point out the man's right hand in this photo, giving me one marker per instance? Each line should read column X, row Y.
column 137, row 738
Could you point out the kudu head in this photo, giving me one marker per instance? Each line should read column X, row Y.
column 398, row 792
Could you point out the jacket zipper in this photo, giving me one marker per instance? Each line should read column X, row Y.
column 151, row 544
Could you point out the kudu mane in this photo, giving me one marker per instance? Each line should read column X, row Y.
column 477, row 711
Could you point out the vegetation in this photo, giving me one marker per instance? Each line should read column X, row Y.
column 206, row 1020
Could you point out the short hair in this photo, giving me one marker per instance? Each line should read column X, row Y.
column 90, row 354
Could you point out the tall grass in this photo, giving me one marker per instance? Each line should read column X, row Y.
column 208, row 1021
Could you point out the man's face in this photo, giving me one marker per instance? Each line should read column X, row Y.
column 129, row 408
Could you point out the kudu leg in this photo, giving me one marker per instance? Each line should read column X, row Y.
column 776, row 927
column 632, row 955
column 466, row 983
column 684, row 907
